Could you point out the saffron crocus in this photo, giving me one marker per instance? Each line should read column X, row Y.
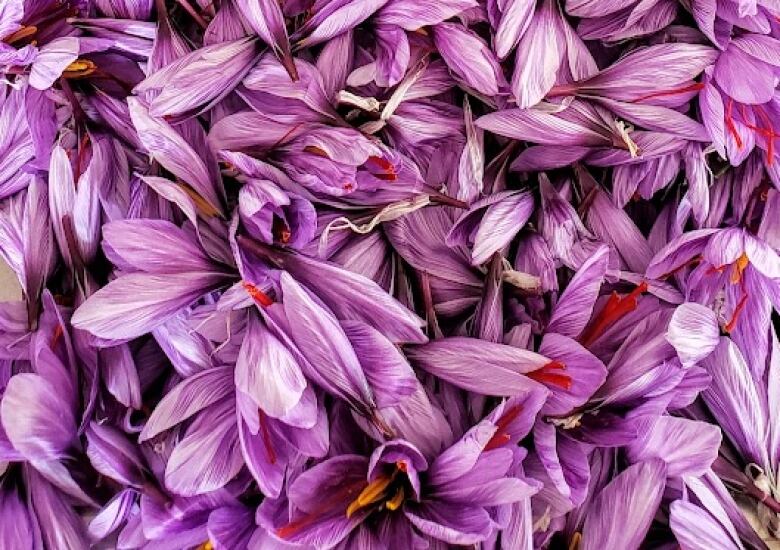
column 156, row 284
column 734, row 275
column 389, row 274
column 457, row 498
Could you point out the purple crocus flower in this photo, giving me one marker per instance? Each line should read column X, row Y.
column 397, row 489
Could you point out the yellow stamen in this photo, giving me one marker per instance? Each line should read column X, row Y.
column 79, row 69
column 739, row 268
column 203, row 206
column 206, row 546
column 575, row 541
column 21, row 34
column 395, row 502
column 373, row 492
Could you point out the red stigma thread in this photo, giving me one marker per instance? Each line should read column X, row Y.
column 615, row 309
column 258, row 295
column 548, row 375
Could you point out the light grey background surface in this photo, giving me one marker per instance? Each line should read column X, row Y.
column 9, row 285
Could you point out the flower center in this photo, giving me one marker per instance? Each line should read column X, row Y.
column 387, row 491
column 280, row 230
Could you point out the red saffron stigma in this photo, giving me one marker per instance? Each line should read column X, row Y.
column 58, row 331
column 544, row 375
column 267, row 442
column 695, row 87
column 732, row 324
column 501, row 438
column 258, row 295
column 615, row 309
column 730, row 123
column 385, row 167
column 336, row 499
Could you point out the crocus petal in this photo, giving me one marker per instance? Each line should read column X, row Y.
column 207, row 458
column 414, row 14
column 187, row 398
column 387, row 371
column 618, row 516
column 688, row 447
column 539, row 56
column 694, row 332
column 469, row 57
column 353, row 296
column 267, row 372
column 113, row 515
column 136, row 303
column 734, row 401
column 694, row 528
column 168, row 147
column 326, row 347
column 38, row 422
column 466, row 362
column 16, row 531
column 575, row 306
column 452, row 523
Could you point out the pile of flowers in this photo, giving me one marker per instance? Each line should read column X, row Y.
column 390, row 274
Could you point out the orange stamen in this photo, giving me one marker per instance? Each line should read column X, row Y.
column 79, row 69
column 373, row 492
column 739, row 268
column 615, row 309
column 267, row 441
column 695, row 87
column 544, row 375
column 258, row 295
